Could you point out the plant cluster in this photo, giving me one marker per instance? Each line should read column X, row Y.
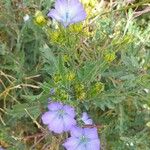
column 90, row 56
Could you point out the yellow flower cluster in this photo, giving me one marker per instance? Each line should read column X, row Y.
column 99, row 87
column 76, row 28
column 57, row 78
column 39, row 18
column 109, row 57
column 63, row 95
column 55, row 36
column 59, row 35
column 80, row 91
column 66, row 58
column 90, row 3
column 71, row 76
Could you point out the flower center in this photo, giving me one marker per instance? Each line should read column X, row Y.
column 66, row 18
column 84, row 139
column 61, row 113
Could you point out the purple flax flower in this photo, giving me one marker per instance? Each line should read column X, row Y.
column 83, row 139
column 85, row 118
column 68, row 12
column 59, row 118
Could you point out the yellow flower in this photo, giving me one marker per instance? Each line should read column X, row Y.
column 76, row 28
column 54, row 36
column 85, row 2
column 79, row 87
column 80, row 91
column 109, row 57
column 64, row 95
column 71, row 76
column 39, row 18
column 99, row 87
column 66, row 58
column 57, row 78
column 91, row 3
column 81, row 96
